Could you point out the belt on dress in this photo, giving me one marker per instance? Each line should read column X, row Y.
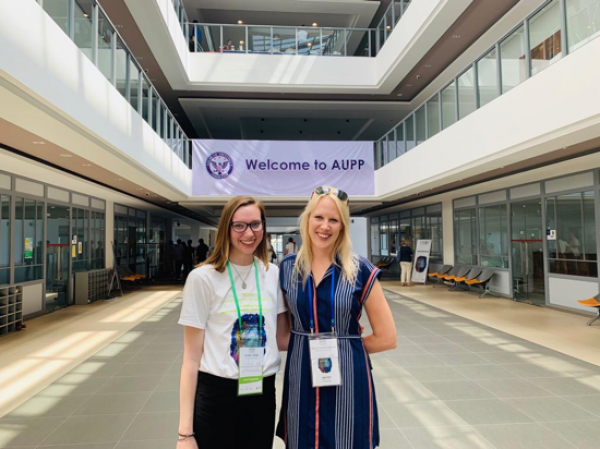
column 308, row 334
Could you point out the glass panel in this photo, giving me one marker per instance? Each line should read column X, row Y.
column 527, row 256
column 380, row 35
column 59, row 11
column 465, row 228
column 400, row 144
column 19, row 238
column 84, row 28
column 391, row 146
column 544, row 37
column 433, row 116
column 122, row 59
column 260, row 40
column 145, row 93
column 375, row 239
column 134, row 74
column 4, row 234
column 590, row 250
column 410, row 133
column 583, row 21
column 309, row 41
column 437, row 238
column 513, row 64
column 357, row 43
column 449, row 105
column 284, row 40
column 487, row 78
column 421, row 126
column 333, row 42
column 466, row 93
column 105, row 36
column 58, row 252
column 383, row 239
column 208, row 38
column 234, row 37
column 397, row 10
column 493, row 236
column 389, row 21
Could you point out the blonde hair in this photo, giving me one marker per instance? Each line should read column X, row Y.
column 220, row 255
column 342, row 252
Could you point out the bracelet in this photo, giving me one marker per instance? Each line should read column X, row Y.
column 183, row 437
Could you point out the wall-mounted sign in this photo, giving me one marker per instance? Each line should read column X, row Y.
column 80, row 247
column 550, row 234
column 28, row 253
column 253, row 167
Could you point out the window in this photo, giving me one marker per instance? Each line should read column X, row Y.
column 59, row 11
column 29, row 234
column 122, row 61
column 583, row 21
column 466, row 93
column 97, row 231
column 421, row 126
column 4, row 239
column 449, row 105
column 79, row 232
column 493, row 236
column 84, row 28
column 384, row 238
column 391, row 147
column 106, row 34
column 512, row 59
column 134, row 77
column 400, row 144
column 465, row 236
column 375, row 250
column 437, row 239
column 433, row 116
column 544, row 37
column 487, row 78
column 409, row 129
column 572, row 218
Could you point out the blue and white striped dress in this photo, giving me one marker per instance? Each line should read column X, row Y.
column 343, row 417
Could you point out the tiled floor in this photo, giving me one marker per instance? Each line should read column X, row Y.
column 451, row 383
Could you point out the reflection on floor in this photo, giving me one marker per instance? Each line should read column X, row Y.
column 451, row 383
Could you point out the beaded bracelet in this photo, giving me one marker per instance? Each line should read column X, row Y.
column 183, row 437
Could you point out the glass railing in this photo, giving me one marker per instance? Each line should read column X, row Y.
column 549, row 33
column 181, row 16
column 315, row 41
column 88, row 26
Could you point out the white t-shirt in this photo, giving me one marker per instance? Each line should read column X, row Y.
column 208, row 304
column 290, row 247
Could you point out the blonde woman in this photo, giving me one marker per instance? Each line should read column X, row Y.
column 329, row 395
column 232, row 306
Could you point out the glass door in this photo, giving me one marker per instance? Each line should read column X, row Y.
column 58, row 257
column 527, row 252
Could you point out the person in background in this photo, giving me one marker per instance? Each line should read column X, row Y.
column 231, row 313
column 178, row 254
column 405, row 258
column 195, row 36
column 270, row 250
column 201, row 251
column 169, row 257
column 329, row 393
column 290, row 247
column 188, row 257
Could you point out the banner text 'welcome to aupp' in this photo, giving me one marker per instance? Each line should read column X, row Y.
column 341, row 164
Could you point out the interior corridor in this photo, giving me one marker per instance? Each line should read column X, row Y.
column 453, row 381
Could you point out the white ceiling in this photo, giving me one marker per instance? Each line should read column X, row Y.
column 329, row 13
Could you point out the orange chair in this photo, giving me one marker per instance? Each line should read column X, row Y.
column 592, row 302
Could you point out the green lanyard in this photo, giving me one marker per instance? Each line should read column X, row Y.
column 237, row 303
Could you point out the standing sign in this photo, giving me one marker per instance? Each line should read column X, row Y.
column 252, row 167
column 421, row 261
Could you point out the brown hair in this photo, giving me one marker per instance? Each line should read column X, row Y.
column 220, row 255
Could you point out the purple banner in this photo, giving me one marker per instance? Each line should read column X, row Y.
column 258, row 167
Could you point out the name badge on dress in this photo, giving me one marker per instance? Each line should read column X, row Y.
column 324, row 360
column 251, row 371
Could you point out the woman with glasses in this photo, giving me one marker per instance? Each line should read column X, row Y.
column 232, row 306
column 329, row 395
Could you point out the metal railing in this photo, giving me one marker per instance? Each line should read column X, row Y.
column 314, row 41
column 548, row 34
column 88, row 26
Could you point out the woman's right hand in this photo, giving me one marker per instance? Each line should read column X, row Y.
column 187, row 443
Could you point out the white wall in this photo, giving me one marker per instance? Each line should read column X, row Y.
column 359, row 234
column 565, row 292
column 48, row 87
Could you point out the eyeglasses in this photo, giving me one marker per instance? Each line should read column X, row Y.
column 241, row 226
column 322, row 190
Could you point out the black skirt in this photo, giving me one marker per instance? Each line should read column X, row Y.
column 223, row 420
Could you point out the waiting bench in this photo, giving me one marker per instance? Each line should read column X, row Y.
column 592, row 302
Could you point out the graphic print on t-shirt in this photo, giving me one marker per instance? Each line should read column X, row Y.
column 250, row 336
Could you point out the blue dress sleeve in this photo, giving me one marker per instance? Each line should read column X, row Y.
column 367, row 275
column 286, row 270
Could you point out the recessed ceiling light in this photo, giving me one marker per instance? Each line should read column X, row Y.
column 240, row 22
column 87, row 165
column 119, row 179
column 389, row 27
column 456, row 36
column 315, row 24
column 309, row 44
column 86, row 15
column 241, row 42
column 38, row 142
column 66, row 155
column 428, row 66
column 400, row 95
column 409, row 85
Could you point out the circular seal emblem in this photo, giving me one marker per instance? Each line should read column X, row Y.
column 219, row 165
